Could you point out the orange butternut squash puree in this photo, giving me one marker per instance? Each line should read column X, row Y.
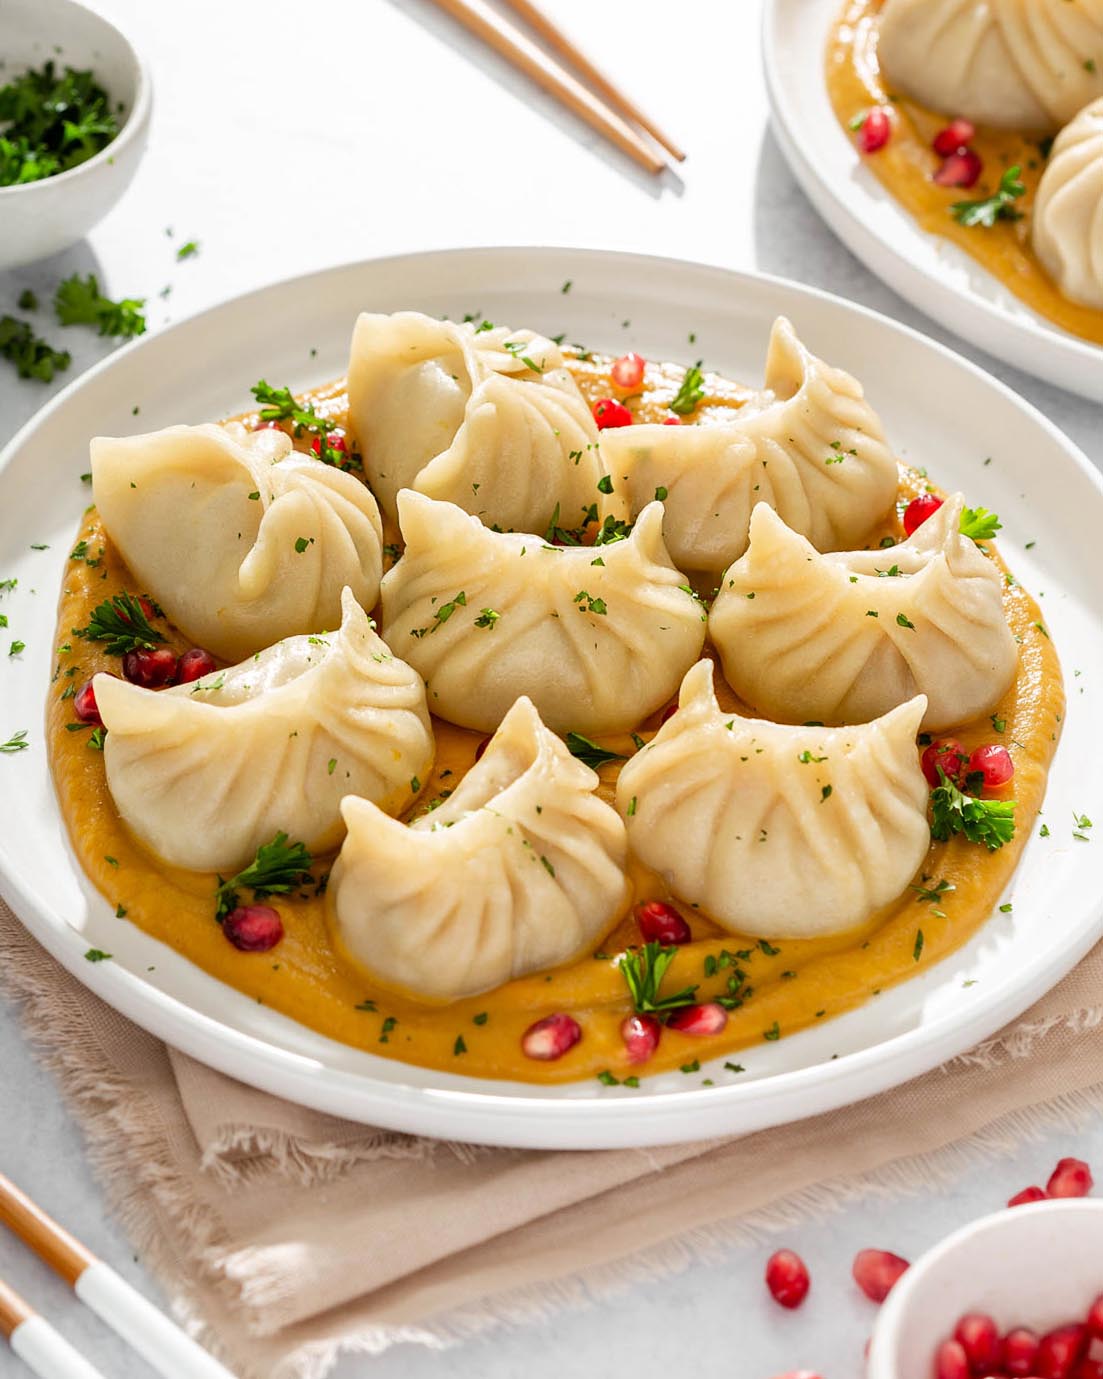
column 789, row 985
column 855, row 82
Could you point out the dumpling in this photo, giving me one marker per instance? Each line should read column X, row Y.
column 487, row 419
column 778, row 831
column 521, row 869
column 205, row 773
column 240, row 539
column 844, row 638
column 810, row 445
column 1068, row 211
column 1017, row 64
column 597, row 636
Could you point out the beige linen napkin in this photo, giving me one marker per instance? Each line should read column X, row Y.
column 284, row 1237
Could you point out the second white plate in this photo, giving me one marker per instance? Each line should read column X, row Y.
column 930, row 272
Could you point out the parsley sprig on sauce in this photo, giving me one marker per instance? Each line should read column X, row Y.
column 691, row 392
column 590, row 752
column 1001, row 206
column 121, row 623
column 280, row 404
column 980, row 524
column 278, row 867
column 79, row 302
column 991, row 822
column 643, row 970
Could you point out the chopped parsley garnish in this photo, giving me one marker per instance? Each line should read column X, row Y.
column 487, row 618
column 278, row 867
column 480, row 1019
column 1082, row 822
column 79, row 302
column 643, row 970
column 279, row 404
column 460, row 1046
column 122, row 624
column 773, row 1033
column 32, row 356
column 301, row 543
column 932, row 895
column 980, row 524
column 589, row 752
column 16, row 743
column 97, row 738
column 445, row 611
column 189, row 250
column 97, row 955
column 902, row 620
column 28, row 301
column 51, row 123
column 1001, row 206
column 917, row 951
column 991, row 822
column 806, row 758
column 691, row 392
column 587, row 603
column 17, row 648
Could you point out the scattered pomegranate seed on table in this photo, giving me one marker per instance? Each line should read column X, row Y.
column 948, row 754
column 551, row 1037
column 951, row 1361
column 627, row 371
column 1028, row 1194
column 84, row 705
column 787, row 1278
column 608, row 412
column 1071, row 1178
column 960, row 170
column 662, row 923
column 957, row 135
column 876, row 1272
column 253, row 928
column 705, row 1019
column 1018, row 1351
column 979, row 1338
column 193, row 665
column 918, row 510
column 875, row 130
column 994, row 764
column 150, row 669
column 641, row 1035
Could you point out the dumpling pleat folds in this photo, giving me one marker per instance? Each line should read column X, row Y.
column 1067, row 225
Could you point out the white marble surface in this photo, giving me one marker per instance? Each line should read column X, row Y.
column 288, row 137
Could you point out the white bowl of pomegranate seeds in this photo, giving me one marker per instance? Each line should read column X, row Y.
column 1016, row 1294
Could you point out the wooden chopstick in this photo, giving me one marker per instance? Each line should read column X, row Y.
column 43, row 1350
column 521, row 52
column 146, row 1330
column 557, row 40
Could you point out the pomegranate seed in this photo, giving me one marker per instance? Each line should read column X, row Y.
column 1060, row 1350
column 918, row 510
column 84, row 705
column 1018, row 1352
column 1071, row 1178
column 994, row 764
column 661, row 923
column 1088, row 1369
column 979, row 1337
column 1095, row 1318
column 253, row 928
column 677, row 421
column 876, row 1271
column 608, row 412
column 876, row 130
column 948, row 754
column 481, row 748
column 150, row 669
column 951, row 1362
column 787, row 1278
column 709, row 1018
column 957, row 135
column 267, row 426
column 551, row 1037
column 334, row 441
column 960, row 170
column 1028, row 1194
column 627, row 372
column 641, row 1035
column 193, row 664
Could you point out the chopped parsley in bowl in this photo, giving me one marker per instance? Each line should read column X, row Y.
column 51, row 121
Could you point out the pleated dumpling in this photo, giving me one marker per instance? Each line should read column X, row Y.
column 1017, row 64
column 809, row 445
column 205, row 773
column 487, row 419
column 1068, row 211
column 778, row 831
column 241, row 540
column 846, row 637
column 521, row 869
column 598, row 637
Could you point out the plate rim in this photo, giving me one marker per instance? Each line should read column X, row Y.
column 509, row 1120
column 1011, row 337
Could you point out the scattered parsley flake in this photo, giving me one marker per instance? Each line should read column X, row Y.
column 16, row 743
column 97, row 955
column 189, row 250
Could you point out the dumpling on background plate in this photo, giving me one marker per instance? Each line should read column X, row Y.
column 597, row 636
column 488, row 419
column 1067, row 226
column 845, row 637
column 1016, row 64
column 240, row 539
column 809, row 445
column 778, row 831
column 206, row 772
column 521, row 869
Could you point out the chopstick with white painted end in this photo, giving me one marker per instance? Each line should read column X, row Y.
column 42, row 1349
column 146, row 1330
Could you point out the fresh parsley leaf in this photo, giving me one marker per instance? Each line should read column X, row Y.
column 691, row 392
column 278, row 867
column 96, row 955
column 991, row 822
column 189, row 250
column 52, row 123
column 643, row 970
column 487, row 618
column 32, row 356
column 16, row 743
column 121, row 623
column 589, row 752
column 79, row 302
column 1001, row 206
column 980, row 524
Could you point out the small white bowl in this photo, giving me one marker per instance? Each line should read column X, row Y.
column 1039, row 1266
column 42, row 218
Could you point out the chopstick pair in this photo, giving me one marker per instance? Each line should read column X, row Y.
column 615, row 116
column 146, row 1330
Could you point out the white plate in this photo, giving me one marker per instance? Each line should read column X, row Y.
column 933, row 274
column 1044, row 489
